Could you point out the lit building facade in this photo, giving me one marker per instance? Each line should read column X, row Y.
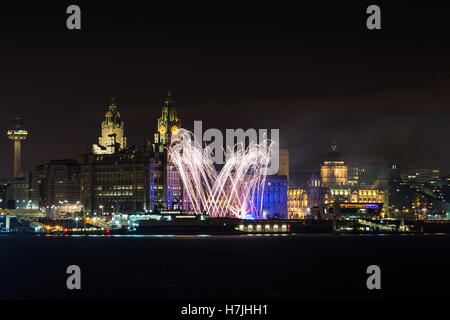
column 275, row 197
column 297, row 205
column 112, row 138
column 332, row 185
column 372, row 196
column 116, row 183
column 166, row 188
column 334, row 172
column 115, row 178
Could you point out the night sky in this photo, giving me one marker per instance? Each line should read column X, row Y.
column 315, row 72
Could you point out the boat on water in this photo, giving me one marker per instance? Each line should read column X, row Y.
column 200, row 224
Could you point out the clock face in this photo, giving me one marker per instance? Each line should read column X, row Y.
column 162, row 130
column 174, row 130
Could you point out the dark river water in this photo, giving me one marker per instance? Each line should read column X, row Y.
column 310, row 267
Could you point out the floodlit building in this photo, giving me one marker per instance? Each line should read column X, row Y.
column 166, row 188
column 297, row 203
column 334, row 171
column 115, row 178
column 116, row 183
column 112, row 139
column 275, row 197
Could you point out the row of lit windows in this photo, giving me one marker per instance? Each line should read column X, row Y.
column 340, row 192
column 116, row 194
column 117, row 187
column 276, row 184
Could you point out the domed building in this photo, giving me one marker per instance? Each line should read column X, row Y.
column 334, row 171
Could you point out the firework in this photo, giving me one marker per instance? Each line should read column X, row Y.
column 234, row 191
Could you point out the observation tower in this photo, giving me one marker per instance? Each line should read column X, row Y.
column 17, row 134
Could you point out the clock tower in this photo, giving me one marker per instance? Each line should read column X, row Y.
column 166, row 190
column 168, row 123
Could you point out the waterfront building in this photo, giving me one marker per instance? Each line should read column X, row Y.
column 275, row 197
column 370, row 195
column 297, row 204
column 415, row 193
column 18, row 193
column 55, row 186
column 39, row 185
column 52, row 184
column 339, row 194
column 336, row 183
column 334, row 171
column 3, row 191
column 363, row 175
column 116, row 183
column 120, row 179
column 112, row 128
column 63, row 182
column 420, row 175
column 317, row 195
column 166, row 188
column 115, row 178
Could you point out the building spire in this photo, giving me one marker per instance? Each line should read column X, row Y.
column 334, row 146
column 169, row 98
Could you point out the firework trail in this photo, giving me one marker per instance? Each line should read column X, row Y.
column 236, row 191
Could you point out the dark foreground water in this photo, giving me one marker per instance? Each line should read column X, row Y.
column 225, row 267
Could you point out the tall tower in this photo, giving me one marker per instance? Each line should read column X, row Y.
column 112, row 139
column 168, row 122
column 167, row 192
column 17, row 134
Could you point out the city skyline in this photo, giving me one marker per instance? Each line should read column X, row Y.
column 228, row 161
column 313, row 167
